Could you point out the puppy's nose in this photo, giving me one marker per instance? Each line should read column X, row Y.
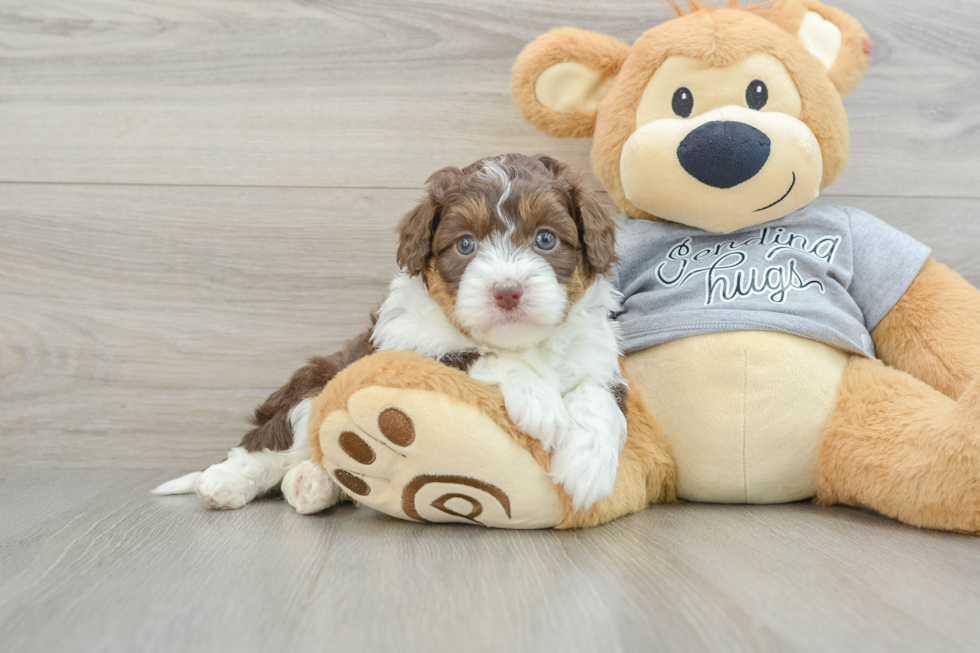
column 723, row 154
column 507, row 296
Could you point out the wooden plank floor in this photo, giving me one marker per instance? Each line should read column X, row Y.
column 196, row 195
column 379, row 93
column 90, row 562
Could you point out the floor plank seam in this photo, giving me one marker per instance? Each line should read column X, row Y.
column 8, row 182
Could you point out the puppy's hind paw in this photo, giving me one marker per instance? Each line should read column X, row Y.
column 309, row 489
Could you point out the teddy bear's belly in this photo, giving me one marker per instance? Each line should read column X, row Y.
column 744, row 411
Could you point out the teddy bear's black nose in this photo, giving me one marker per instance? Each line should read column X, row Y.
column 723, row 154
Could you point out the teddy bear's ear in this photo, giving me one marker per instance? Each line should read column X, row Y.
column 560, row 79
column 832, row 36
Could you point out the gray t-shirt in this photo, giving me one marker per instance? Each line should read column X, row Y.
column 827, row 273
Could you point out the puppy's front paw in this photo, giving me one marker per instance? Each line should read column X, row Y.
column 220, row 489
column 309, row 489
column 538, row 413
column 585, row 468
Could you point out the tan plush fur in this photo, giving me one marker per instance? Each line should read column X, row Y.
column 933, row 333
column 903, row 448
column 596, row 51
column 855, row 54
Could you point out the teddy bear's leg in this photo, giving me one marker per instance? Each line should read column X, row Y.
column 418, row 440
column 898, row 445
column 420, row 455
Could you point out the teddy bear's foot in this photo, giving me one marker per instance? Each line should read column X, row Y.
column 903, row 448
column 419, row 455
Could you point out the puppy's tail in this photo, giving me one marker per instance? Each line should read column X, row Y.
column 186, row 484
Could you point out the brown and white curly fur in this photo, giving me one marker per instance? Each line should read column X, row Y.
column 502, row 266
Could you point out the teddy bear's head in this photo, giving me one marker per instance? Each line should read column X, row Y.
column 720, row 119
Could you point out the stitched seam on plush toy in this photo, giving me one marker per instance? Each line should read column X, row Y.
column 844, row 344
column 701, row 325
column 745, row 389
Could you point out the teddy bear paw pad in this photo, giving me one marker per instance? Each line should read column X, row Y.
column 421, row 456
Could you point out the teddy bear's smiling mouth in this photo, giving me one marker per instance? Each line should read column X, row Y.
column 785, row 195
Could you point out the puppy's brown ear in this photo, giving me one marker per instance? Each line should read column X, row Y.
column 598, row 230
column 416, row 229
column 596, row 225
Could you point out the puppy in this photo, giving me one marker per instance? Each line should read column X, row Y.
column 502, row 277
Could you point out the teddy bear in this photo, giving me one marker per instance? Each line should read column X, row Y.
column 776, row 350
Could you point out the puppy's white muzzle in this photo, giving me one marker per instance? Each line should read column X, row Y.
column 509, row 297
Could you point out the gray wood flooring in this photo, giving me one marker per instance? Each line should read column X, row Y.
column 196, row 195
column 90, row 562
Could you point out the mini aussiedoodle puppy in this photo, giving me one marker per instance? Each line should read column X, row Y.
column 503, row 266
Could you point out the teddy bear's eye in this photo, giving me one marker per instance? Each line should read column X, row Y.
column 757, row 94
column 683, row 103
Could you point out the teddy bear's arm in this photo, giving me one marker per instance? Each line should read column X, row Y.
column 933, row 332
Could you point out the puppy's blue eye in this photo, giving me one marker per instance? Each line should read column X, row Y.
column 545, row 240
column 466, row 245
